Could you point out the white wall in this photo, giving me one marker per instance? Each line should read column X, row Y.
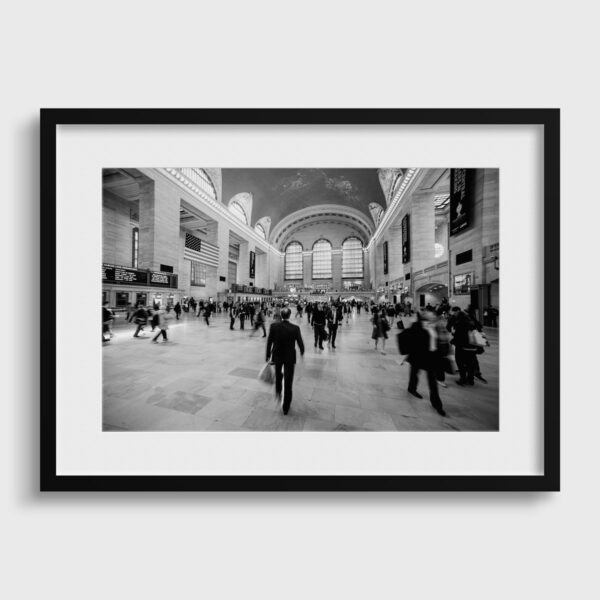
column 417, row 546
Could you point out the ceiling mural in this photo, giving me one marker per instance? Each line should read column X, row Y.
column 277, row 193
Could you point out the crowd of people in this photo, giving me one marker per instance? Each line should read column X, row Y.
column 438, row 340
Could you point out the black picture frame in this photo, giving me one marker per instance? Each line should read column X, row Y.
column 547, row 118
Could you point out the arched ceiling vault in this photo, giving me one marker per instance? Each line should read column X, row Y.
column 277, row 193
column 323, row 215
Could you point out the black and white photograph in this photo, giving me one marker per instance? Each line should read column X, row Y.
column 300, row 300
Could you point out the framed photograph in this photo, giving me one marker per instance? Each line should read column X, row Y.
column 299, row 299
column 463, row 284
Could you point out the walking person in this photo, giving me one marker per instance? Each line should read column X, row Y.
column 177, row 310
column 281, row 350
column 259, row 322
column 140, row 316
column 207, row 315
column 380, row 328
column 391, row 313
column 440, row 346
column 242, row 315
column 332, row 324
column 108, row 318
column 318, row 321
column 422, row 355
column 465, row 351
column 232, row 315
column 309, row 310
column 164, row 316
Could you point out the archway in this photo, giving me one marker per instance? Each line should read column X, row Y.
column 431, row 293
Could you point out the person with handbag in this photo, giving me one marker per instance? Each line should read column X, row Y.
column 281, row 350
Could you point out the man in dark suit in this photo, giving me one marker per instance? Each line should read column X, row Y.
column 318, row 321
column 281, row 350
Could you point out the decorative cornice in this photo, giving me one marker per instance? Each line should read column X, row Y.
column 176, row 177
column 407, row 182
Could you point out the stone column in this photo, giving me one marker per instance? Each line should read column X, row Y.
column 422, row 231
column 147, row 225
column 159, row 225
column 336, row 269
column 262, row 276
column 394, row 239
column 307, row 267
column 222, row 240
column 243, row 263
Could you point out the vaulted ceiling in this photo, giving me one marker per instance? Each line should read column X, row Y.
column 278, row 193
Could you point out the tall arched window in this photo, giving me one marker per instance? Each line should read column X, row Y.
column 321, row 262
column 261, row 231
column 352, row 257
column 135, row 247
column 293, row 261
column 239, row 212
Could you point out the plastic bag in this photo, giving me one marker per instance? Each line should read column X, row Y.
column 480, row 339
column 267, row 374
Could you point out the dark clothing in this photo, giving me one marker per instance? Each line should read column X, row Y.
column 434, row 396
column 259, row 322
column 465, row 352
column 141, row 318
column 333, row 327
column 333, row 319
column 281, row 343
column 285, row 372
column 281, row 350
column 421, row 356
column 318, row 322
column 162, row 332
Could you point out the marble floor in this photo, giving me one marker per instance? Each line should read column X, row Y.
column 205, row 379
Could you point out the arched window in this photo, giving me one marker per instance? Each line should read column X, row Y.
column 293, row 261
column 200, row 178
column 321, row 262
column 352, row 258
column 261, row 231
column 239, row 212
column 135, row 247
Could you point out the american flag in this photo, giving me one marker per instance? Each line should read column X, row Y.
column 201, row 251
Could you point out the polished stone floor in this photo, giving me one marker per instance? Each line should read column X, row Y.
column 205, row 379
